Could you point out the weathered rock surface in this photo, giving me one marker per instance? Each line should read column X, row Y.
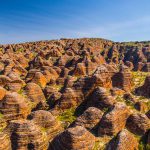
column 89, row 119
column 68, row 99
column 5, row 143
column 129, row 98
column 122, row 79
column 47, row 121
column 77, row 138
column 138, row 123
column 4, row 80
column 2, row 93
column 103, row 75
column 39, row 79
column 26, row 135
column 14, row 106
column 124, row 141
column 35, row 94
column 80, row 70
column 145, row 89
column 101, row 99
column 116, row 91
column 142, row 106
column 15, row 85
column 115, row 120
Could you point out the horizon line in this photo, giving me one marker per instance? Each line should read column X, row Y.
column 57, row 39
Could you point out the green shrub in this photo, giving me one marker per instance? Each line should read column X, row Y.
column 20, row 50
column 141, row 146
column 148, row 147
column 1, row 115
column 1, row 49
column 67, row 116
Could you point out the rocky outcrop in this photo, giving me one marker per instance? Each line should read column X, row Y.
column 9, row 64
column 2, row 93
column 5, row 143
column 114, row 121
column 16, row 85
column 89, row 119
column 80, row 70
column 62, row 52
column 4, row 80
column 124, row 141
column 129, row 98
column 103, row 74
column 77, row 138
column 141, row 106
column 129, row 64
column 122, row 79
column 145, row 89
column 75, row 95
column 100, row 98
column 138, row 123
column 47, row 122
column 14, row 106
column 35, row 95
column 68, row 99
column 31, row 74
column 39, row 79
column 49, row 90
column 26, row 135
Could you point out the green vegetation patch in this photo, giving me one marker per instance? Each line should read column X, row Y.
column 67, row 117
column 20, row 50
column 101, row 142
column 138, row 78
column 58, row 87
column 1, row 49
column 143, row 146
column 1, row 115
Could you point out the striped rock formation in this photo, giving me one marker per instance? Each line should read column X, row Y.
column 35, row 94
column 76, row 138
column 4, row 80
column 68, row 99
column 39, row 79
column 80, row 70
column 115, row 120
column 100, row 98
column 144, row 90
column 2, row 93
column 25, row 135
column 47, row 121
column 138, row 123
column 124, row 141
column 103, row 74
column 14, row 106
column 89, row 119
column 122, row 79
column 15, row 85
column 5, row 143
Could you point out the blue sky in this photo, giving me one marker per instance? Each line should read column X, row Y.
column 32, row 20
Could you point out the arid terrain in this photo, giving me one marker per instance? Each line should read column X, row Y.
column 75, row 94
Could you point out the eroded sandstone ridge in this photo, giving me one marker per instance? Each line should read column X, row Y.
column 75, row 94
